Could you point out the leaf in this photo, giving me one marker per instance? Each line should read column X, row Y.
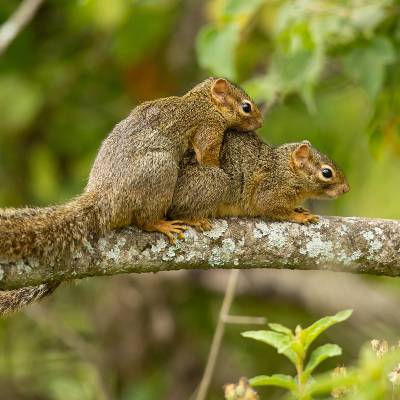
column 216, row 49
column 280, row 328
column 298, row 71
column 20, row 103
column 313, row 331
column 278, row 340
column 240, row 11
column 262, row 88
column 320, row 354
column 366, row 65
column 283, row 381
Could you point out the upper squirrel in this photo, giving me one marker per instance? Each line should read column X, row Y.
column 256, row 179
column 133, row 177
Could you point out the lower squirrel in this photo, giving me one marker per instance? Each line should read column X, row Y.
column 254, row 180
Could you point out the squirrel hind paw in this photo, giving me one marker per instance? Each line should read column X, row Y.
column 168, row 228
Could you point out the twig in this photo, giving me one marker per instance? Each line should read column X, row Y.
column 244, row 320
column 14, row 25
column 219, row 333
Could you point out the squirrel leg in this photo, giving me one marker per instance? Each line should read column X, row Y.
column 168, row 228
column 207, row 144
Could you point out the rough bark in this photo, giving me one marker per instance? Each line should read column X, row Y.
column 356, row 245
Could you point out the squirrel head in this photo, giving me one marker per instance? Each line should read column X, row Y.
column 318, row 175
column 235, row 106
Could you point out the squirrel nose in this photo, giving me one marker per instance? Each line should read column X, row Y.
column 345, row 188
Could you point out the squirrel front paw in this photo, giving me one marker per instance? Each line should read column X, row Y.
column 303, row 216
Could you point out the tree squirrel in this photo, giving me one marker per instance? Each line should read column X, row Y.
column 256, row 180
column 133, row 177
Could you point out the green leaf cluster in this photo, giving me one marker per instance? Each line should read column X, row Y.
column 295, row 346
column 304, row 43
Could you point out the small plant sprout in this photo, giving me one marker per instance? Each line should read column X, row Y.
column 295, row 346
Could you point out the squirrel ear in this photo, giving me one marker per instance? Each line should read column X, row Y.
column 301, row 154
column 219, row 89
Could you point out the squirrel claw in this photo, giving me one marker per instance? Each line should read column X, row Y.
column 168, row 228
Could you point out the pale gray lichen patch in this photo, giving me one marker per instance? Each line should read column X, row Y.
column 193, row 254
column 322, row 223
column 171, row 251
column 368, row 235
column 223, row 254
column 133, row 252
column 316, row 247
column 22, row 267
column 1, row 274
column 115, row 252
column 261, row 229
column 160, row 245
column 374, row 244
column 180, row 259
column 228, row 245
column 275, row 233
column 349, row 259
column 218, row 229
column 102, row 244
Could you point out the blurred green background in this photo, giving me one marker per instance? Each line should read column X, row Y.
column 328, row 72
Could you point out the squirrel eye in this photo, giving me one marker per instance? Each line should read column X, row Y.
column 246, row 107
column 326, row 173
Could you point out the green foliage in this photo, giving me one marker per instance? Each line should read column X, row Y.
column 309, row 41
column 371, row 379
column 294, row 345
column 217, row 43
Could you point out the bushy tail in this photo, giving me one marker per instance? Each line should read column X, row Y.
column 12, row 300
column 45, row 234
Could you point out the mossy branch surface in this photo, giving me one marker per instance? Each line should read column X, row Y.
column 356, row 245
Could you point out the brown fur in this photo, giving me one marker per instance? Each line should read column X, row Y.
column 133, row 177
column 255, row 179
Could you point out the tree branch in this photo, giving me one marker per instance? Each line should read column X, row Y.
column 14, row 25
column 356, row 245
